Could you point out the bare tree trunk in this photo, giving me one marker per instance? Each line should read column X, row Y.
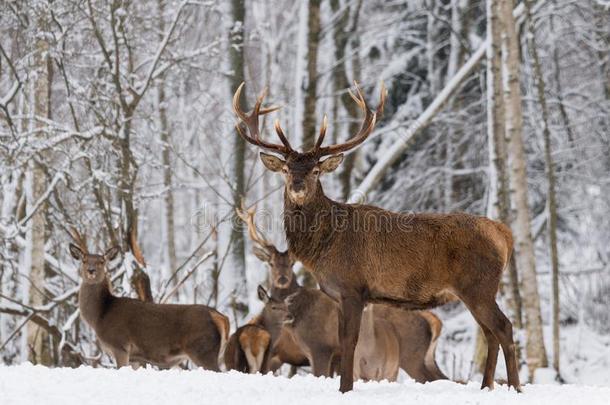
column 550, row 174
column 236, row 51
column 38, row 338
column 500, row 155
column 313, row 39
column 166, row 160
column 346, row 34
column 524, row 246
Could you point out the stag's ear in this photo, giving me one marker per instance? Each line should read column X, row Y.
column 271, row 162
column 76, row 252
column 331, row 163
column 262, row 294
column 262, row 254
column 111, row 253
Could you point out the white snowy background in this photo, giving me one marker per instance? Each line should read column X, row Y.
column 61, row 165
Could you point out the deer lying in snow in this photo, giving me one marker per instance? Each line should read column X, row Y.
column 363, row 254
column 133, row 331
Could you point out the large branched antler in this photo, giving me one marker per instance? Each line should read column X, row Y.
column 370, row 119
column 251, row 122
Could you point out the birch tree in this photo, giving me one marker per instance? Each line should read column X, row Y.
column 524, row 246
column 39, row 348
column 237, row 244
column 165, row 137
column 551, row 209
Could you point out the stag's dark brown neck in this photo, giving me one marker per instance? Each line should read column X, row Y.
column 309, row 227
column 93, row 301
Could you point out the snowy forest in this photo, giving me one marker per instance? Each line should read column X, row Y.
column 116, row 120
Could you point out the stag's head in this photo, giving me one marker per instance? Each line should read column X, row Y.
column 280, row 262
column 92, row 266
column 302, row 170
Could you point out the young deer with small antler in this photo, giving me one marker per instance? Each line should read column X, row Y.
column 361, row 253
column 283, row 348
column 283, row 280
column 134, row 331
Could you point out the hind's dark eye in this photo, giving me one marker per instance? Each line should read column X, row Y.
column 315, row 171
column 284, row 169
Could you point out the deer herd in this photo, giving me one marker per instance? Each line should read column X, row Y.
column 378, row 272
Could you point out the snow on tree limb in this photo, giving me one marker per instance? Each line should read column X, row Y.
column 404, row 140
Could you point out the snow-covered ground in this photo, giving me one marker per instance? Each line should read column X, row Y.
column 27, row 384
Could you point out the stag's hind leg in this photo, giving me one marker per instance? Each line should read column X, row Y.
column 503, row 330
column 497, row 329
column 493, row 347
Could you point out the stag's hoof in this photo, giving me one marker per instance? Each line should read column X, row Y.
column 516, row 388
column 346, row 387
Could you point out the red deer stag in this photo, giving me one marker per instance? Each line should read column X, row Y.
column 133, row 331
column 361, row 253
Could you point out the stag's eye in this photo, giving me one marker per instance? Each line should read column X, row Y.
column 285, row 170
column 316, row 171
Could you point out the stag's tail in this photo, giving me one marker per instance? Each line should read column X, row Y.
column 223, row 326
column 429, row 360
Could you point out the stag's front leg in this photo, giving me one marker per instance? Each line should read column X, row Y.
column 349, row 329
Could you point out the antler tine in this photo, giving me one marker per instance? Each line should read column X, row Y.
column 280, row 134
column 251, row 122
column 322, row 133
column 370, row 119
column 247, row 215
column 80, row 240
column 135, row 248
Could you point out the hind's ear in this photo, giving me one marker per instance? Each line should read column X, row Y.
column 261, row 254
column 262, row 294
column 111, row 253
column 76, row 252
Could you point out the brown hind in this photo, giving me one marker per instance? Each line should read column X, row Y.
column 133, row 331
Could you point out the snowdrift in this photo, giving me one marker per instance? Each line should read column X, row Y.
column 28, row 384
